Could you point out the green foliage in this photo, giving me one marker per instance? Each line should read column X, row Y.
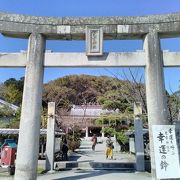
column 117, row 125
column 4, row 124
column 111, row 119
column 113, row 100
column 16, row 120
column 6, row 111
column 44, row 118
column 12, row 90
column 110, row 131
column 14, row 123
column 73, row 138
column 121, row 137
column 110, row 92
column 10, row 118
column 40, row 170
column 120, row 134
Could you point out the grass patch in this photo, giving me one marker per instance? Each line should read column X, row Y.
column 5, row 175
column 40, row 170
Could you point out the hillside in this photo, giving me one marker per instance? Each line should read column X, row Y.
column 112, row 93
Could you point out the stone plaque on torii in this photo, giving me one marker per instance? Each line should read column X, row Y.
column 94, row 41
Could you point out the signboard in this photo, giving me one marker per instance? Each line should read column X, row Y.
column 177, row 130
column 166, row 152
column 94, row 41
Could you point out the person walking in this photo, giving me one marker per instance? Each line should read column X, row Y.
column 109, row 147
column 94, row 141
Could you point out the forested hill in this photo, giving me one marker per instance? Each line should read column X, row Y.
column 111, row 92
column 78, row 89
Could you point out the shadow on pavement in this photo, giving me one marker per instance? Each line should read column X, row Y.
column 73, row 158
column 87, row 175
column 85, row 148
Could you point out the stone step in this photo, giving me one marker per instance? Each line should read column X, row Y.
column 94, row 165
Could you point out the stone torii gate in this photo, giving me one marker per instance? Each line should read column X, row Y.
column 94, row 30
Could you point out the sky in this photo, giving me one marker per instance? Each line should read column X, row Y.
column 89, row 8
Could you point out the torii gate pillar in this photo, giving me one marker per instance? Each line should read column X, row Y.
column 155, row 88
column 27, row 156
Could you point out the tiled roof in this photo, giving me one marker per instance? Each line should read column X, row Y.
column 16, row 131
column 89, row 110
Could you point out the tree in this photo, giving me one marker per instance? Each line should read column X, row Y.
column 73, row 138
column 2, row 90
column 79, row 90
column 173, row 105
column 12, row 90
column 7, row 116
column 117, row 125
column 14, row 123
column 6, row 111
column 113, row 100
column 132, row 87
column 122, row 98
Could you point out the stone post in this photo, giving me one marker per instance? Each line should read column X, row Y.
column 139, row 139
column 139, row 144
column 28, row 143
column 86, row 132
column 155, row 89
column 50, row 137
column 102, row 132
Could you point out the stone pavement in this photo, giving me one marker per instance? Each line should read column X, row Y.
column 85, row 154
column 95, row 175
column 85, row 158
column 91, row 175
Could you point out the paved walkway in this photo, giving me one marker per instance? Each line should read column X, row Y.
column 86, row 154
column 95, row 175
column 91, row 175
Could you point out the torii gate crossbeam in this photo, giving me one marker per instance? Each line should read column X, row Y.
column 129, row 59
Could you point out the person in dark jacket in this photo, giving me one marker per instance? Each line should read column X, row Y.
column 65, row 151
